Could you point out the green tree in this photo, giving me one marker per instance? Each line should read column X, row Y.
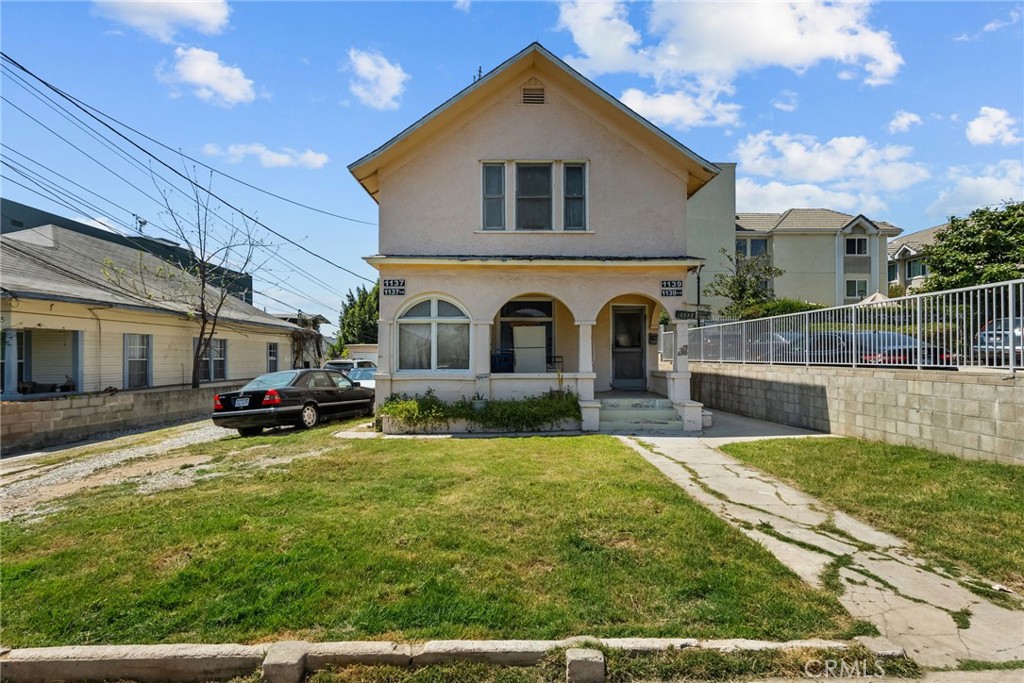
column 984, row 248
column 359, row 314
column 746, row 283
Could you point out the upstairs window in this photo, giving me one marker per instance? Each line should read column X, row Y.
column 494, row 196
column 751, row 248
column 856, row 289
column 575, row 197
column 533, row 197
column 856, row 246
column 916, row 268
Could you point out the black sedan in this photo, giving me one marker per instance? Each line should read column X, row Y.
column 291, row 397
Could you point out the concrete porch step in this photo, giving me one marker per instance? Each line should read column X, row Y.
column 631, row 414
column 674, row 427
column 636, row 403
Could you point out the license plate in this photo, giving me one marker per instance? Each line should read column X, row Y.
column 242, row 402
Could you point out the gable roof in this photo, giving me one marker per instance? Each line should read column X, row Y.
column 805, row 220
column 535, row 55
column 915, row 242
column 57, row 264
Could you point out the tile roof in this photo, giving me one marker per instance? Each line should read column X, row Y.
column 800, row 219
column 916, row 240
column 54, row 263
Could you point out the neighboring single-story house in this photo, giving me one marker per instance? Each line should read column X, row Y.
column 83, row 314
column 907, row 265
column 533, row 229
column 829, row 257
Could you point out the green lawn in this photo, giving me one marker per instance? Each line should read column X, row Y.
column 965, row 515
column 402, row 539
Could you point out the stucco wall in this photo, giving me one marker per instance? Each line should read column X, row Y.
column 431, row 203
column 972, row 415
column 711, row 226
column 45, row 422
column 809, row 262
column 103, row 329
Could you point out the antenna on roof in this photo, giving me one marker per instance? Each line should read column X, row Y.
column 140, row 222
column 479, row 74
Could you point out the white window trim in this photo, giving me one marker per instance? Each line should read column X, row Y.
column 277, row 356
column 557, row 198
column 504, row 189
column 433, row 321
column 149, row 361
column 857, row 239
column 553, row 320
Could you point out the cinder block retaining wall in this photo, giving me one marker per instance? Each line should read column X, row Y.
column 58, row 420
column 970, row 414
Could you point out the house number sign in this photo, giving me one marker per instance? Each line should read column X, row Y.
column 671, row 287
column 392, row 287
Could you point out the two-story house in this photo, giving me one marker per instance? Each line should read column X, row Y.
column 532, row 231
column 828, row 257
column 907, row 265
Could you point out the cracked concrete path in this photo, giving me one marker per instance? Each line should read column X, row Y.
column 911, row 604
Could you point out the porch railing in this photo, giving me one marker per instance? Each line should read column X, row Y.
column 969, row 327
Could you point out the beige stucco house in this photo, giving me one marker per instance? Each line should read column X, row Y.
column 829, row 257
column 907, row 265
column 83, row 314
column 532, row 230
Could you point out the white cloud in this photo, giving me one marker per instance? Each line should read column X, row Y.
column 268, row 158
column 993, row 125
column 462, row 5
column 210, row 79
column 795, row 35
column 681, row 109
column 972, row 188
column 378, row 83
column 902, row 121
column 775, row 197
column 163, row 19
column 994, row 25
column 786, row 101
column 847, row 163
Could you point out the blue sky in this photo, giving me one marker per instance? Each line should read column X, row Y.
column 904, row 111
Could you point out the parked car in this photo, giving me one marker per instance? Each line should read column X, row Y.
column 867, row 348
column 774, row 346
column 365, row 377
column 346, row 364
column 290, row 397
column 992, row 344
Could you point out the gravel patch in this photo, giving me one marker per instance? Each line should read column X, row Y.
column 26, row 489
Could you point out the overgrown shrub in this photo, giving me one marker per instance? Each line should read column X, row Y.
column 427, row 411
column 778, row 307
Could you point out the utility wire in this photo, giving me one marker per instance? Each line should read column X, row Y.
column 179, row 173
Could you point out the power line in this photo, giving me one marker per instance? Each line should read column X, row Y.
column 179, row 173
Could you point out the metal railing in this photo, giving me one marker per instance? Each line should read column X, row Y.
column 970, row 327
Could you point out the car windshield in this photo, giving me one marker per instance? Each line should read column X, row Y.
column 272, row 380
column 361, row 373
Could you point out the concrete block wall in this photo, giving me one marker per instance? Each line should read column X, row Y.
column 59, row 420
column 977, row 415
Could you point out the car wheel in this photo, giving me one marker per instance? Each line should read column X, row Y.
column 250, row 431
column 309, row 417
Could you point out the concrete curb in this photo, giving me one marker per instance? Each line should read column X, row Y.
column 290, row 661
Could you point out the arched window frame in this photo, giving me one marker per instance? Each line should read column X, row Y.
column 434, row 320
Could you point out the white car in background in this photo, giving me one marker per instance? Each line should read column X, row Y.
column 346, row 364
column 365, row 376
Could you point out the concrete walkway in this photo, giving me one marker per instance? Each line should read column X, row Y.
column 909, row 602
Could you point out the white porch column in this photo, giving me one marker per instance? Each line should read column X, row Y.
column 589, row 408
column 679, row 380
column 385, row 331
column 10, row 342
column 482, row 357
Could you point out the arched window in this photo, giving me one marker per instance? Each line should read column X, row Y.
column 433, row 335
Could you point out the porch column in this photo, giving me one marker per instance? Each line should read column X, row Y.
column 78, row 360
column 382, row 390
column 482, row 357
column 679, row 380
column 589, row 408
column 10, row 362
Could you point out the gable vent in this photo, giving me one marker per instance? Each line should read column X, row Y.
column 533, row 95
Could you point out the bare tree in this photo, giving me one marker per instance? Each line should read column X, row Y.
column 218, row 255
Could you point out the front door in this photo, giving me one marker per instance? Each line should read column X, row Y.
column 628, row 371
